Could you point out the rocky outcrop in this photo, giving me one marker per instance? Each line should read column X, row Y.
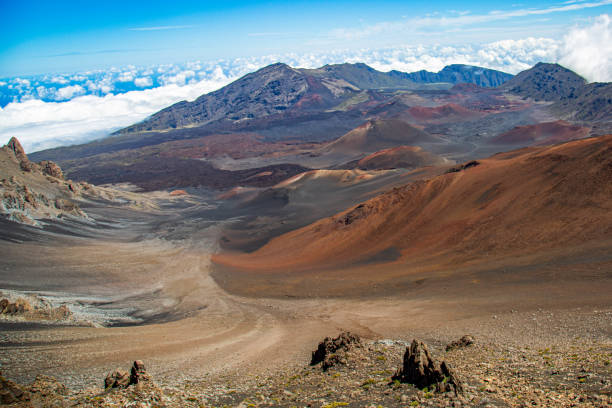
column 464, row 341
column 45, row 387
column 15, row 147
column 30, row 191
column 461, row 167
column 138, row 373
column 420, row 369
column 51, row 169
column 331, row 352
column 119, row 378
column 33, row 308
column 11, row 393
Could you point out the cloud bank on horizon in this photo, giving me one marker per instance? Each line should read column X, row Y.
column 53, row 110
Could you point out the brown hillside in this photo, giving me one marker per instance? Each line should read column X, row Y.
column 377, row 135
column 513, row 204
column 542, row 133
column 401, row 157
column 444, row 113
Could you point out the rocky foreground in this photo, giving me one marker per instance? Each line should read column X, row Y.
column 350, row 371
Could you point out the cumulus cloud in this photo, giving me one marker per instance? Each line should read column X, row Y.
column 588, row 50
column 69, row 92
column 40, row 125
column 143, row 82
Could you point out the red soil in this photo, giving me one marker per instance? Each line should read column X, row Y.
column 513, row 204
column 399, row 157
column 542, row 134
column 178, row 193
column 447, row 112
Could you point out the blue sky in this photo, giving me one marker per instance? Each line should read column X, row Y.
column 39, row 37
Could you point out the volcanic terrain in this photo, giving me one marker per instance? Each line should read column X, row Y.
column 457, row 224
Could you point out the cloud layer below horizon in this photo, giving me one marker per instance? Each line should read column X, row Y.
column 49, row 111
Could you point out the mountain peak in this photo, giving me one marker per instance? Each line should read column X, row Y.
column 277, row 66
column 546, row 81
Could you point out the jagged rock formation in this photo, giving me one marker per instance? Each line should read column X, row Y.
column 138, row 372
column 331, row 352
column 51, row 169
column 32, row 191
column 119, row 378
column 420, row 369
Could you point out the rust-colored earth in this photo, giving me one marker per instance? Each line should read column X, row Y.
column 535, row 205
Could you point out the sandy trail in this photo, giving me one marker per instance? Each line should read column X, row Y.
column 209, row 331
column 199, row 332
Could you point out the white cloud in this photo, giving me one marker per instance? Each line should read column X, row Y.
column 22, row 82
column 446, row 22
column 143, row 82
column 40, row 125
column 59, row 80
column 69, row 92
column 588, row 50
column 126, row 76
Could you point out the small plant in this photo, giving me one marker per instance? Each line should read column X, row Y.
column 335, row 404
column 368, row 383
column 414, row 404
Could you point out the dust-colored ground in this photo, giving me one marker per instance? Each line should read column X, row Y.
column 218, row 349
column 142, row 286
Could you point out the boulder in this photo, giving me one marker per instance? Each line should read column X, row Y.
column 11, row 309
column 331, row 352
column 117, row 379
column 46, row 386
column 464, row 341
column 11, row 393
column 138, row 373
column 3, row 305
column 51, row 169
column 421, row 370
